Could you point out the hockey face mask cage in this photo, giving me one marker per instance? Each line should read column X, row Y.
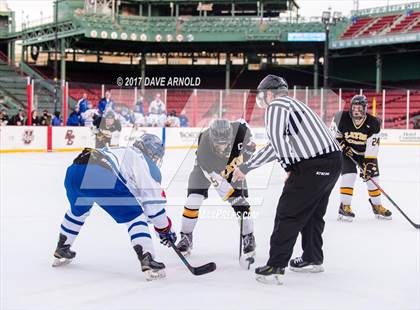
column 363, row 110
column 260, row 100
column 222, row 138
column 358, row 101
column 363, row 113
column 151, row 146
column 275, row 84
column 157, row 158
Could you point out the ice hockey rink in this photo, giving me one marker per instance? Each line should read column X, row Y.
column 370, row 264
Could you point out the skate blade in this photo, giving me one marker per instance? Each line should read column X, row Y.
column 152, row 275
column 271, row 279
column 343, row 218
column 246, row 260
column 61, row 262
column 308, row 269
column 381, row 217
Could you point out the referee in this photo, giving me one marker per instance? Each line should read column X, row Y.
column 312, row 158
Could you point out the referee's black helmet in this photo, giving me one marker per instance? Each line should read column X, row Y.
column 270, row 82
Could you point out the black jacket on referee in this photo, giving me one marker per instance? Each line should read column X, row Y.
column 305, row 147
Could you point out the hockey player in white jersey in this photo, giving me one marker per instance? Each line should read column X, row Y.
column 125, row 182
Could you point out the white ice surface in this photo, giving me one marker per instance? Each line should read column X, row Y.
column 369, row 264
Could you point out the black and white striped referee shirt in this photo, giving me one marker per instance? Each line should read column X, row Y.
column 295, row 133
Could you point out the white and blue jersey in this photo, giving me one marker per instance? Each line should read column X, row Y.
column 128, row 186
column 142, row 177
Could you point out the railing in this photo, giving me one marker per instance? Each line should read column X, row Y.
column 395, row 108
column 34, row 23
column 399, row 8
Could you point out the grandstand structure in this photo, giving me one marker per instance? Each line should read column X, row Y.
column 227, row 44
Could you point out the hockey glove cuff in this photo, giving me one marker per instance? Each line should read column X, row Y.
column 166, row 234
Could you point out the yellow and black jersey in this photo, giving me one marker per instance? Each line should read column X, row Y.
column 210, row 162
column 363, row 139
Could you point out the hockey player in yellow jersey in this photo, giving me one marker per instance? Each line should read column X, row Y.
column 358, row 134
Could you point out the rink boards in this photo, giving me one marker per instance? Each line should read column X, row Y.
column 43, row 139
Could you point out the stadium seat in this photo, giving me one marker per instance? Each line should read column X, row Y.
column 356, row 26
column 405, row 23
column 379, row 25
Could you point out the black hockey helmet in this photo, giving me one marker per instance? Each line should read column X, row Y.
column 221, row 136
column 152, row 146
column 270, row 82
column 360, row 100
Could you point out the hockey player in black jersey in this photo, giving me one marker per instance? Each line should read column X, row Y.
column 358, row 134
column 221, row 147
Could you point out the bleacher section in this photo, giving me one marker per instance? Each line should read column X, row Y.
column 196, row 25
column 395, row 106
column 76, row 92
column 415, row 26
column 177, row 100
column 355, row 27
column 378, row 25
column 406, row 23
column 13, row 86
column 364, row 26
column 208, row 104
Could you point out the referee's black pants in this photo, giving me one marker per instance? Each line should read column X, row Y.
column 301, row 208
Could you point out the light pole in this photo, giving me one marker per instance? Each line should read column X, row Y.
column 328, row 20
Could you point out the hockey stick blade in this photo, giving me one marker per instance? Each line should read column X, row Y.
column 207, row 268
column 197, row 271
column 246, row 262
column 415, row 225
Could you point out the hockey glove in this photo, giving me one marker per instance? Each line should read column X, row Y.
column 250, row 148
column 370, row 168
column 346, row 149
column 166, row 234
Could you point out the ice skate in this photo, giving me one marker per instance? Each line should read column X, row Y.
column 381, row 212
column 270, row 275
column 152, row 269
column 345, row 213
column 63, row 255
column 185, row 245
column 299, row 265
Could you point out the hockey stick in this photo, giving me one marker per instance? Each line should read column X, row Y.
column 197, row 271
column 387, row 196
column 241, row 227
column 241, row 223
column 249, row 260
